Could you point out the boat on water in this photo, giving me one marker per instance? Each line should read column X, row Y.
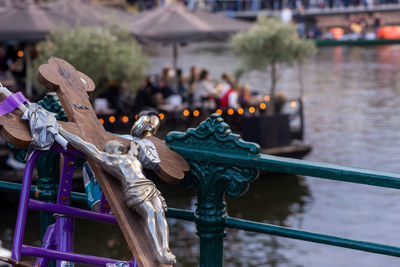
column 384, row 36
column 357, row 42
column 280, row 134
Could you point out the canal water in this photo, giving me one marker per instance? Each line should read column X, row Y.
column 352, row 110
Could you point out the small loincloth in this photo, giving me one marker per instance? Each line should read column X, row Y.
column 139, row 193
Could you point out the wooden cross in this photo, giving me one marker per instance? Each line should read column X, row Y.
column 72, row 87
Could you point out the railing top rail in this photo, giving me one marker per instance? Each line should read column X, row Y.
column 295, row 166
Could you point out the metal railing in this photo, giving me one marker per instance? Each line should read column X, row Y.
column 223, row 163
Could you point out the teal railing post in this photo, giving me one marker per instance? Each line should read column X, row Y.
column 212, row 180
column 47, row 186
column 48, row 166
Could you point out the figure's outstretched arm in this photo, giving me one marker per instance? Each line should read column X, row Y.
column 78, row 143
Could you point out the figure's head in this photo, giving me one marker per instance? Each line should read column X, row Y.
column 147, row 123
column 114, row 147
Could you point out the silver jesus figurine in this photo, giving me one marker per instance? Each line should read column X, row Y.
column 139, row 192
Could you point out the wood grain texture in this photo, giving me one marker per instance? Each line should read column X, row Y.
column 173, row 166
column 59, row 75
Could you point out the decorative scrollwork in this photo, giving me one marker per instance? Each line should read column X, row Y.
column 213, row 135
column 212, row 179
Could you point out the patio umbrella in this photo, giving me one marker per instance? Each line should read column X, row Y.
column 87, row 13
column 174, row 24
column 26, row 21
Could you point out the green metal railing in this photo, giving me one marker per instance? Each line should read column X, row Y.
column 222, row 163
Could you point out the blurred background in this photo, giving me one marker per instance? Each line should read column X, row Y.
column 308, row 79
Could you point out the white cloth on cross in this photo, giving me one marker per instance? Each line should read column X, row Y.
column 43, row 125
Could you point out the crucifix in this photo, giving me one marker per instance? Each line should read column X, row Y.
column 72, row 87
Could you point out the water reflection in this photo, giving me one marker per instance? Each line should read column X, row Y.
column 272, row 199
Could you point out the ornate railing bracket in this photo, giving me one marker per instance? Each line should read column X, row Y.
column 213, row 178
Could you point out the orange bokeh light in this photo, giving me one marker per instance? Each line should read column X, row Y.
column 219, row 111
column 186, row 113
column 196, row 113
column 263, row 106
column 252, row 109
column 111, row 119
column 20, row 53
column 162, row 116
column 125, row 119
column 240, row 111
column 230, row 112
column 267, row 98
column 101, row 120
column 293, row 104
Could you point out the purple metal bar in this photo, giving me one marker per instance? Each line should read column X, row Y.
column 48, row 243
column 64, row 236
column 64, row 189
column 68, row 256
column 65, row 224
column 23, row 205
column 75, row 212
column 60, row 234
column 104, row 206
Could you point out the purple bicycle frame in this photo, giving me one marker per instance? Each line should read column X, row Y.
column 58, row 242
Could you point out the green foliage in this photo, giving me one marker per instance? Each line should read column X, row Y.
column 104, row 54
column 270, row 41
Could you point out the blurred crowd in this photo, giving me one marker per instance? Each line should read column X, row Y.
column 172, row 90
column 196, row 90
column 255, row 5
column 359, row 27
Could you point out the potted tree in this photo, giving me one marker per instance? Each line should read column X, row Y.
column 267, row 46
column 104, row 54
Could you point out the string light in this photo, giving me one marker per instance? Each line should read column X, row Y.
column 219, row 111
column 252, row 109
column 136, row 116
column 111, row 119
column 293, row 104
column 186, row 113
column 20, row 53
column 196, row 113
column 263, row 106
column 230, row 112
column 125, row 119
column 162, row 116
column 240, row 111
column 267, row 98
column 101, row 121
